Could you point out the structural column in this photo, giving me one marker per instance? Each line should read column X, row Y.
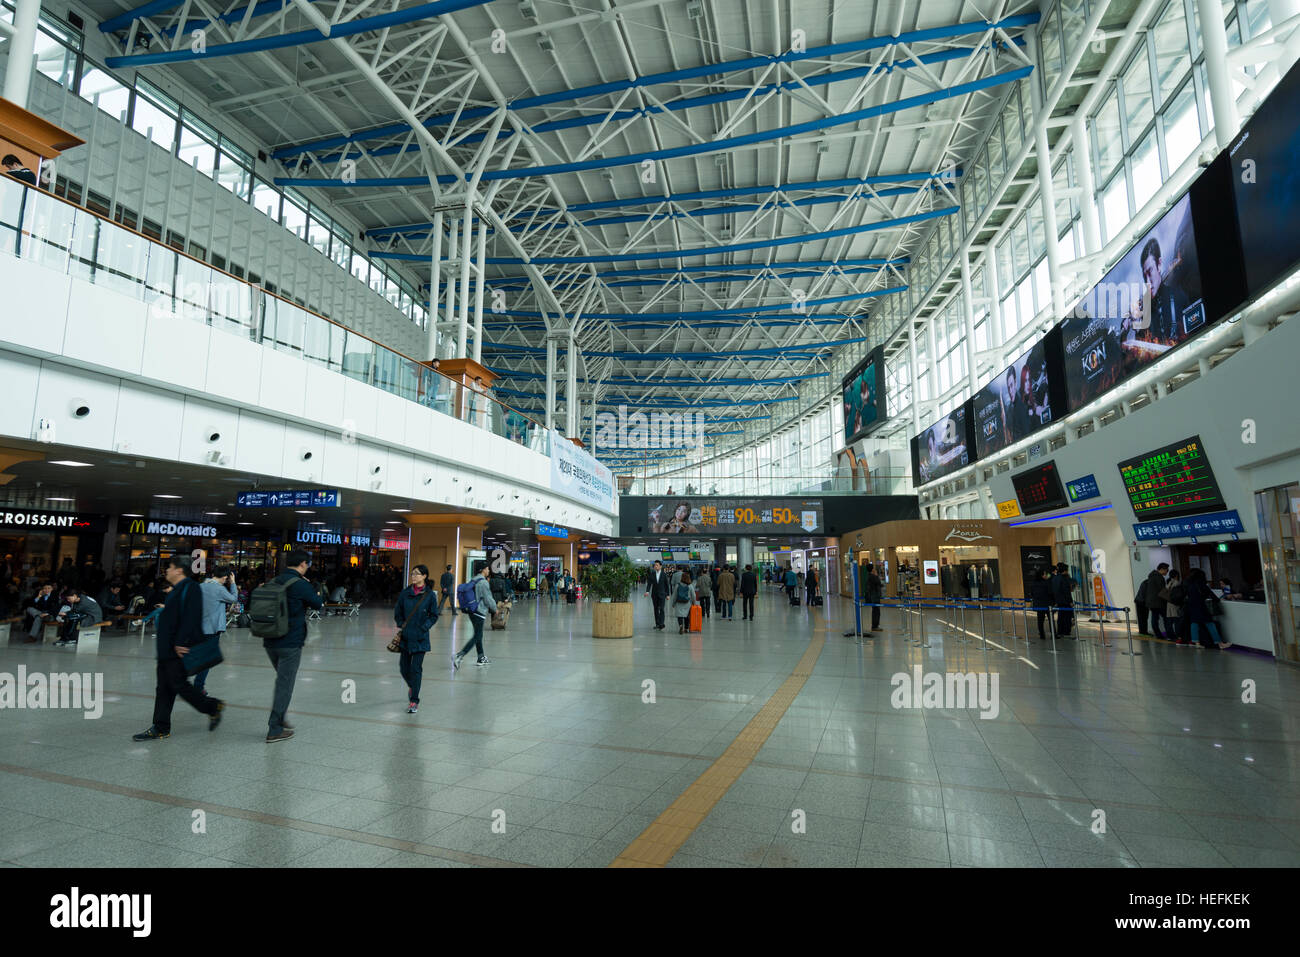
column 968, row 311
column 744, row 551
column 449, row 314
column 22, row 52
column 550, row 381
column 480, row 281
column 1046, row 191
column 571, row 387
column 435, row 280
column 466, row 239
column 1280, row 11
column 1215, row 39
column 916, row 386
column 1087, row 186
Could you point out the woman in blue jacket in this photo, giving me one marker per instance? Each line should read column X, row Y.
column 415, row 614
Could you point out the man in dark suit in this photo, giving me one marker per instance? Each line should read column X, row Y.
column 873, row 589
column 448, row 585
column 748, row 589
column 656, row 587
column 1062, row 597
column 180, row 628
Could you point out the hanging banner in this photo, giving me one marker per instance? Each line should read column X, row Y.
column 576, row 474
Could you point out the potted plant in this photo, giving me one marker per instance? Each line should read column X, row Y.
column 609, row 585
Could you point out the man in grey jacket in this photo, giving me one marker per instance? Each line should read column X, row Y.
column 218, row 593
column 81, row 611
column 485, row 605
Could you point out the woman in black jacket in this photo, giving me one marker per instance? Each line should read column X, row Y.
column 415, row 614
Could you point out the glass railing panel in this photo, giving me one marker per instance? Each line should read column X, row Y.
column 160, row 277
column 81, row 247
column 290, row 327
column 232, row 306
column 48, row 230
column 121, row 259
column 11, row 211
column 193, row 282
column 318, row 343
column 358, row 357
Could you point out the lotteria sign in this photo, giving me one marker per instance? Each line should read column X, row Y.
column 71, row 521
column 331, row 537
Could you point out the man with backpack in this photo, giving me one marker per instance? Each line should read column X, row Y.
column 475, row 597
column 278, row 613
column 1063, row 598
column 180, row 628
column 448, row 584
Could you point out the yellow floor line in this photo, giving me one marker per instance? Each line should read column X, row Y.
column 670, row 830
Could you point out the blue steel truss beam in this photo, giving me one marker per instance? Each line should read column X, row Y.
column 666, row 381
column 690, row 149
column 800, row 350
column 382, row 21
column 691, row 253
column 932, row 34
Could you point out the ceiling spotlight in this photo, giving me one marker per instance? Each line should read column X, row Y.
column 527, row 10
column 694, row 10
column 545, row 44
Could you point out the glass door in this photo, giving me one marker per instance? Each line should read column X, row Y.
column 1278, row 510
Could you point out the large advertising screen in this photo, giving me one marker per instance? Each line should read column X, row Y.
column 1019, row 402
column 864, row 397
column 699, row 516
column 1266, row 183
column 943, row 448
column 1171, row 482
column 1149, row 303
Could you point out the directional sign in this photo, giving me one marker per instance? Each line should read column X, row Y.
column 291, row 498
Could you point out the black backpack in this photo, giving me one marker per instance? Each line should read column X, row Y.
column 683, row 593
column 268, row 610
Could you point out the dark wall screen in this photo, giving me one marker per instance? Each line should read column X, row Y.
column 1171, row 482
column 943, row 448
column 1266, row 184
column 1020, row 401
column 864, row 397
column 1039, row 489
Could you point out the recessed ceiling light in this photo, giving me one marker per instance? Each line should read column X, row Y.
column 315, row 523
column 72, row 464
column 303, row 511
column 132, row 515
column 401, row 510
column 214, row 513
column 60, row 500
column 243, row 523
column 160, row 495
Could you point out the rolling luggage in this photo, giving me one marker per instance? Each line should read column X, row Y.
column 794, row 599
column 815, row 600
column 696, row 620
column 571, row 596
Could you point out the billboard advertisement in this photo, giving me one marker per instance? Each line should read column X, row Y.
column 743, row 516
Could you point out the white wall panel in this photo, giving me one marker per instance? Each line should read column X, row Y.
column 175, row 351
column 283, row 384
column 234, row 369
column 20, row 374
column 297, row 439
column 105, row 329
column 325, row 396
column 35, row 309
column 60, row 388
column 400, row 471
column 340, row 465
column 148, row 422
column 369, row 458
column 202, row 419
column 360, row 409
column 390, row 422
column 261, row 443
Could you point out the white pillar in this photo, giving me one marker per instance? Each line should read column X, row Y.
column 916, row 386
column 968, row 312
column 550, row 382
column 1046, row 191
column 22, row 52
column 1087, row 185
column 453, row 245
column 1215, row 39
column 466, row 240
column 480, row 281
column 435, row 280
column 993, row 287
column 571, row 387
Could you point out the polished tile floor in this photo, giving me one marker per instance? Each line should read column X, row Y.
column 555, row 754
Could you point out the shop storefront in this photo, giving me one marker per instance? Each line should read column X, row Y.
column 35, row 544
column 956, row 559
column 143, row 544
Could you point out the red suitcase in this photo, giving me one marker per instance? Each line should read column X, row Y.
column 696, row 621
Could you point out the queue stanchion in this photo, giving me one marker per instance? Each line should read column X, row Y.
column 984, row 637
column 1051, row 626
column 1128, row 626
column 1101, row 627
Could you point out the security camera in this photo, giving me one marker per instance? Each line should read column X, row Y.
column 375, row 469
column 428, row 480
column 468, row 489
column 79, row 408
column 305, row 454
column 214, row 436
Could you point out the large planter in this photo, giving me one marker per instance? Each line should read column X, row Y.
column 611, row 619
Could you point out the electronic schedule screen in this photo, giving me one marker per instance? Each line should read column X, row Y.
column 1171, row 482
column 1039, row 489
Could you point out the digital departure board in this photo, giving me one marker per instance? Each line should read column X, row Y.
column 1173, row 481
column 1039, row 489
